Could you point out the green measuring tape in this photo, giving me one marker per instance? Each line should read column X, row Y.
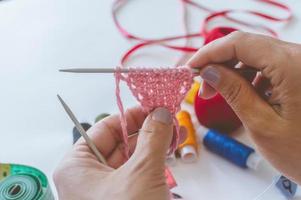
column 20, row 182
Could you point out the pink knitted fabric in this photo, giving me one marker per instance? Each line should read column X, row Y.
column 161, row 87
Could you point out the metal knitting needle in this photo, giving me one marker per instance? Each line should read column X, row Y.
column 126, row 70
column 94, row 70
column 80, row 129
column 108, row 70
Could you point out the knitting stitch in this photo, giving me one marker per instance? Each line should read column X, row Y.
column 161, row 87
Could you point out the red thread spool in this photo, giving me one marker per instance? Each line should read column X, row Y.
column 215, row 112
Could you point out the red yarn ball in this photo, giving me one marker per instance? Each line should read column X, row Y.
column 215, row 113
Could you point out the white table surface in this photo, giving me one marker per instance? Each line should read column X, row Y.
column 39, row 36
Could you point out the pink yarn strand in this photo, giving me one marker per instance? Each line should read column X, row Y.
column 175, row 142
column 122, row 115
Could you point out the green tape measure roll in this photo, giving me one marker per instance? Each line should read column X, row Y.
column 20, row 182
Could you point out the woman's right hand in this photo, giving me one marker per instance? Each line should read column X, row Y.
column 273, row 121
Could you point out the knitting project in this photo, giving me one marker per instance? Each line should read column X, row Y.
column 160, row 87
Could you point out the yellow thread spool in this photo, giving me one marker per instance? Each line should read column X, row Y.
column 189, row 148
column 4, row 170
column 190, row 96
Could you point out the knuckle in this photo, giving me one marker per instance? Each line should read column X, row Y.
column 292, row 52
column 232, row 93
column 237, row 35
column 275, row 53
column 284, row 54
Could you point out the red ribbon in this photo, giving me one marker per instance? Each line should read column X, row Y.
column 144, row 42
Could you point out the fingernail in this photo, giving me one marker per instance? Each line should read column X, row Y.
column 162, row 115
column 211, row 75
column 200, row 92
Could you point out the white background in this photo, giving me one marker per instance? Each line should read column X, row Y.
column 37, row 37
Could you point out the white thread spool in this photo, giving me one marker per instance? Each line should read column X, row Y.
column 188, row 154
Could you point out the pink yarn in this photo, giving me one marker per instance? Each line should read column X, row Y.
column 122, row 116
column 161, row 87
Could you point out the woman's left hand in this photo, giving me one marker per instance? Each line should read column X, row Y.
column 81, row 176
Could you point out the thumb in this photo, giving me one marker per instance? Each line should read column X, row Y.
column 239, row 94
column 154, row 137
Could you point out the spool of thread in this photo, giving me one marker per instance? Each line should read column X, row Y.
column 188, row 149
column 215, row 113
column 20, row 182
column 76, row 134
column 229, row 148
column 101, row 116
column 190, row 96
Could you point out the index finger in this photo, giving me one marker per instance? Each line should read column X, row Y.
column 251, row 49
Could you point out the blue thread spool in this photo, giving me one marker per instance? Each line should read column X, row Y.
column 229, row 148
